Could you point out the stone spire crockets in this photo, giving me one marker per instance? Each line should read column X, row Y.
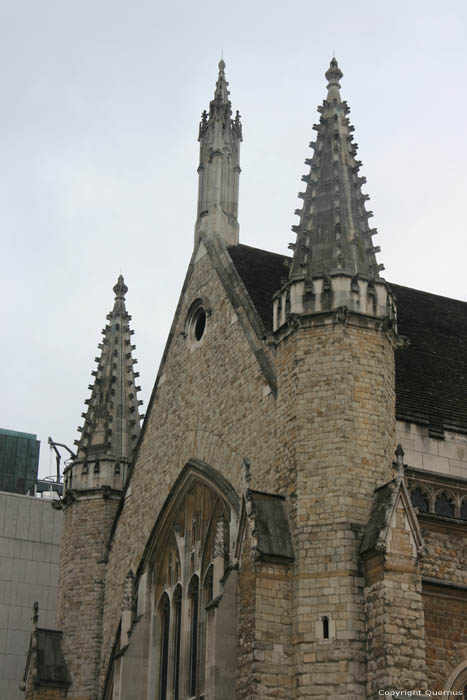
column 112, row 421
column 220, row 136
column 334, row 262
column 333, row 233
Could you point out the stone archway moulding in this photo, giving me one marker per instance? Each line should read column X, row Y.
column 459, row 674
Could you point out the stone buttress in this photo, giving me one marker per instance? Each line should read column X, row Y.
column 336, row 327
column 94, row 482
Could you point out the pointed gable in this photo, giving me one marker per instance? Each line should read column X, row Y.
column 392, row 526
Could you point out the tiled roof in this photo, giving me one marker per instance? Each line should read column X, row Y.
column 431, row 374
column 261, row 273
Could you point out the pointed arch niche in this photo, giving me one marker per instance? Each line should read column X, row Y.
column 192, row 590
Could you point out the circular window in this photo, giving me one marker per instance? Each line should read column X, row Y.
column 199, row 323
column 197, row 320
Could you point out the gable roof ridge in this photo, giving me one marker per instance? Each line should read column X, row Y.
column 252, row 319
column 240, row 299
column 152, row 398
column 424, row 291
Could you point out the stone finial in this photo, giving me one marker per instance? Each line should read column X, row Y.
column 399, row 463
column 120, row 288
column 333, row 74
column 222, row 92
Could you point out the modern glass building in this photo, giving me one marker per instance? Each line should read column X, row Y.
column 19, row 461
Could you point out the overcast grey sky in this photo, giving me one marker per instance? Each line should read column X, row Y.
column 101, row 102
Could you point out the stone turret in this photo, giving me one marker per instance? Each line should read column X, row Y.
column 335, row 326
column 220, row 136
column 94, row 482
column 334, row 262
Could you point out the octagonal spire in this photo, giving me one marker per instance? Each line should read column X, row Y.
column 333, row 233
column 112, row 421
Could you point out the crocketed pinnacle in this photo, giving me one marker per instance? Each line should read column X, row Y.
column 219, row 137
column 333, row 234
column 112, row 421
column 220, row 107
column 221, row 93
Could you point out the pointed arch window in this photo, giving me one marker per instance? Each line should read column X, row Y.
column 420, row 500
column 193, row 595
column 188, row 562
column 177, row 641
column 444, row 505
column 164, row 611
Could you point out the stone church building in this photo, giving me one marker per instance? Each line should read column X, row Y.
column 289, row 521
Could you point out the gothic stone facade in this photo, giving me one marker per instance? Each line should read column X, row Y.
column 270, row 541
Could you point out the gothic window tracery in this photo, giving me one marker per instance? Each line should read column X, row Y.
column 420, row 500
column 444, row 505
column 188, row 569
column 208, row 585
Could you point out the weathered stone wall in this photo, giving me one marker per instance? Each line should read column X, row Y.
column 396, row 648
column 339, row 440
column 446, row 632
column 394, row 612
column 273, row 663
column 86, row 529
column 265, row 660
column 445, row 606
column 212, row 402
column 446, row 546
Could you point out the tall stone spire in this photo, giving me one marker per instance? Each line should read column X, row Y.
column 112, row 421
column 334, row 239
column 220, row 136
